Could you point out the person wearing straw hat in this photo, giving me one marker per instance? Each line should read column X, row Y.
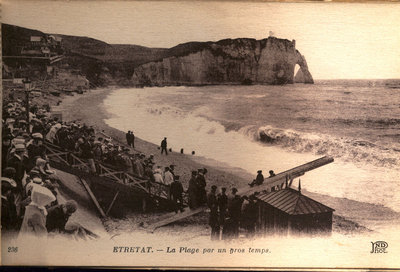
column 9, row 218
column 36, row 148
column 5, row 149
column 17, row 162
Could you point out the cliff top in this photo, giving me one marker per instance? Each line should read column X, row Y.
column 15, row 37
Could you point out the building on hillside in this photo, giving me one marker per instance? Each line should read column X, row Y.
column 288, row 211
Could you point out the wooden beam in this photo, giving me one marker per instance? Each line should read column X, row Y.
column 96, row 203
column 280, row 178
column 175, row 217
column 56, row 154
column 112, row 202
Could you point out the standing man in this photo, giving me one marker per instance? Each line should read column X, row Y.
column 132, row 139
column 17, row 162
column 212, row 203
column 128, row 138
column 172, row 169
column 234, row 209
column 9, row 218
column 168, row 179
column 222, row 205
column 164, row 146
column 201, row 185
column 176, row 194
column 192, row 191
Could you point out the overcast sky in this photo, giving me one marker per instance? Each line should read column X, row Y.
column 338, row 40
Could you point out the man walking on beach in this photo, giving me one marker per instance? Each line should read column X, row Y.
column 164, row 146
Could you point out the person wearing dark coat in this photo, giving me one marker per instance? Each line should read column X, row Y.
column 17, row 162
column 164, row 146
column 212, row 203
column 201, row 185
column 58, row 216
column 222, row 205
column 192, row 191
column 176, row 191
column 9, row 218
column 234, row 210
column 6, row 144
column 249, row 216
column 259, row 179
column 128, row 137
column 36, row 149
column 132, row 138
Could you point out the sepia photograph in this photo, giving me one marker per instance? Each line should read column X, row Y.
column 201, row 134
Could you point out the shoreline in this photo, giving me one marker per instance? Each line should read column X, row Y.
column 350, row 216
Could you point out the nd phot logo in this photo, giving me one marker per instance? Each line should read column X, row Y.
column 379, row 247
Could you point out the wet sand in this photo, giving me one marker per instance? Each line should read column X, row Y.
column 349, row 216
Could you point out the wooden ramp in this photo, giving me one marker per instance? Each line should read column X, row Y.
column 280, row 179
column 175, row 217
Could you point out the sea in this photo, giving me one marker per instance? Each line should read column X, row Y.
column 263, row 127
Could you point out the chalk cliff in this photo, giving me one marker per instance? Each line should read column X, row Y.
column 230, row 61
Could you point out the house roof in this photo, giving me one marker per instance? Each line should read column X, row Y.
column 293, row 202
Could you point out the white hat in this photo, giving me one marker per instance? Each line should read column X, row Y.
column 37, row 180
column 19, row 147
column 37, row 136
column 10, row 181
column 42, row 196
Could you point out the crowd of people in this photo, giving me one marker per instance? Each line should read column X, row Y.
column 229, row 213
column 30, row 186
column 30, row 202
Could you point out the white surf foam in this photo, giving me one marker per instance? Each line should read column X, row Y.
column 132, row 109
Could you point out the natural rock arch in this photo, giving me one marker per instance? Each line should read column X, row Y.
column 303, row 75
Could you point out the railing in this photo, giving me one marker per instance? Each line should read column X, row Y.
column 154, row 189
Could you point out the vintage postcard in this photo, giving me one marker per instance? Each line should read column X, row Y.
column 191, row 134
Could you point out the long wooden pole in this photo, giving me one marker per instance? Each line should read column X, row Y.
column 281, row 177
column 96, row 203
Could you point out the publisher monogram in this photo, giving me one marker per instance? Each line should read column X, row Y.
column 379, row 247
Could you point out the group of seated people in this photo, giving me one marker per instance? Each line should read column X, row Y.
column 260, row 178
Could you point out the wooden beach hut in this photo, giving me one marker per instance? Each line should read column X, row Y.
column 288, row 211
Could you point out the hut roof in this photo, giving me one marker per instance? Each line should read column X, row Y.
column 293, row 202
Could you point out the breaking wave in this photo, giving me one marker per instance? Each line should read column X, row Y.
column 354, row 150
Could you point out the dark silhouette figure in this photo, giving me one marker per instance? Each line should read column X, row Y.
column 212, row 203
column 164, row 146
